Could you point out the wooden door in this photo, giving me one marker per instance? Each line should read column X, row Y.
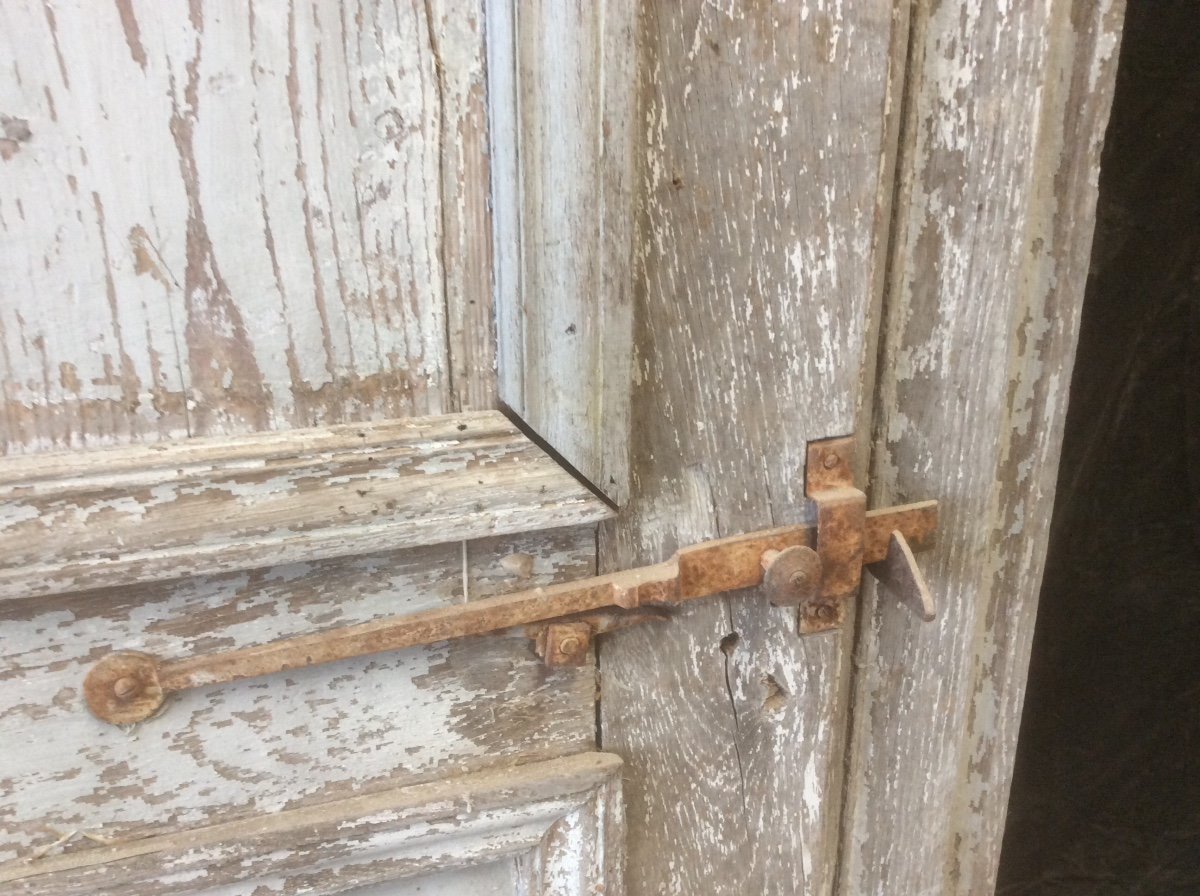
column 253, row 258
column 868, row 218
column 255, row 248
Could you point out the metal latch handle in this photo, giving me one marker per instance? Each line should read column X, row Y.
column 129, row 686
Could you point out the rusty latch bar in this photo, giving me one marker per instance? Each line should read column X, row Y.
column 821, row 581
column 815, row 567
column 841, row 523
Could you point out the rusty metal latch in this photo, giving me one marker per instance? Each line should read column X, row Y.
column 817, row 569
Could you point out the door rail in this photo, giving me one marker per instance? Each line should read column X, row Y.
column 120, row 516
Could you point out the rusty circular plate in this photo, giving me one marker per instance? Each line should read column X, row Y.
column 793, row 576
column 123, row 688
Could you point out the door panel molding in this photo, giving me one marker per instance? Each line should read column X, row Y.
column 107, row 517
column 562, row 99
column 559, row 819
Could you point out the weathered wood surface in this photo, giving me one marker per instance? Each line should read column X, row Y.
column 583, row 854
column 493, row 879
column 307, row 737
column 994, row 224
column 764, row 129
column 217, row 218
column 106, row 517
column 563, row 111
column 540, row 813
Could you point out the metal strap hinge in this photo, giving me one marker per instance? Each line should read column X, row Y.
column 816, row 568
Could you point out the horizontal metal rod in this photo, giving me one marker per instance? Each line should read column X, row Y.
column 128, row 686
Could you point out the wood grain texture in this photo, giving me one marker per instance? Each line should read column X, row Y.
column 492, row 879
column 548, row 812
column 223, row 217
column 582, row 854
column 563, row 110
column 994, row 225
column 300, row 739
column 763, row 132
column 108, row 517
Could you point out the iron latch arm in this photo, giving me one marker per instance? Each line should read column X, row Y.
column 817, row 567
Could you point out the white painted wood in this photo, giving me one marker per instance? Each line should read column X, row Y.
column 230, row 217
column 994, row 226
column 493, row 879
column 563, row 104
column 762, row 131
column 553, row 809
column 292, row 740
column 219, row 219
column 583, row 854
column 101, row 518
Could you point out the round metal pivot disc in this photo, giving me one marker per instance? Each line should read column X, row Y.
column 123, row 688
column 793, row 577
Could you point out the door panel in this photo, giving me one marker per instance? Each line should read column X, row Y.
column 295, row 739
column 555, row 824
column 233, row 218
column 227, row 220
column 986, row 288
column 763, row 130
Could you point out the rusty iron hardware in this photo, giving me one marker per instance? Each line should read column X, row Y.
column 817, row 568
column 821, row 581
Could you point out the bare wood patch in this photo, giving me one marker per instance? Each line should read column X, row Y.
column 762, row 127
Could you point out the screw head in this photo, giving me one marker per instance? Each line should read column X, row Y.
column 570, row 645
column 126, row 688
column 831, row 460
column 123, row 688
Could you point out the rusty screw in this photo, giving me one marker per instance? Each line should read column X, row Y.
column 570, row 645
column 126, row 688
column 831, row 460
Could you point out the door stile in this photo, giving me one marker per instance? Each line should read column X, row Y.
column 994, row 227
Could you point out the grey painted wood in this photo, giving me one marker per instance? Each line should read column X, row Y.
column 555, row 810
column 493, row 879
column 762, row 131
column 230, row 218
column 994, row 222
column 75, row 521
column 218, row 220
column 294, row 740
column 563, row 107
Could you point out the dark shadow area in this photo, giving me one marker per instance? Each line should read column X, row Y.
column 1106, row 792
